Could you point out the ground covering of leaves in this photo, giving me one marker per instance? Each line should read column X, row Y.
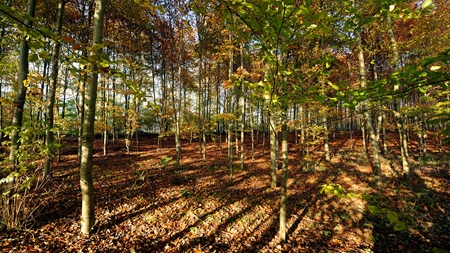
column 146, row 204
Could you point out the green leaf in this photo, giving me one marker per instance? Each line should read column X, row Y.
column 96, row 47
column 392, row 217
column 422, row 90
column 289, row 2
column 427, row 3
column 46, row 31
column 44, row 54
column 5, row 8
column 296, row 87
column 33, row 58
column 438, row 250
column 400, row 226
column 312, row 88
column 373, row 209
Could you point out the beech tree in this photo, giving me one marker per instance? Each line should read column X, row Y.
column 276, row 26
column 17, row 118
column 49, row 138
column 86, row 180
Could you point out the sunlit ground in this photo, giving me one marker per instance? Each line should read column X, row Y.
column 145, row 203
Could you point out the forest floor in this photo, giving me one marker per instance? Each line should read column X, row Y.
column 144, row 203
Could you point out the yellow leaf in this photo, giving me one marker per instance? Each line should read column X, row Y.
column 434, row 68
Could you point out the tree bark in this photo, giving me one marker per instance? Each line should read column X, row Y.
column 399, row 120
column 178, row 111
column 283, row 202
column 242, row 102
column 49, row 137
column 273, row 150
column 366, row 111
column 16, row 123
column 21, row 91
column 326, row 145
column 86, row 182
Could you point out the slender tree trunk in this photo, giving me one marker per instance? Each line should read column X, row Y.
column 366, row 111
column 21, row 92
column 135, row 125
column 16, row 123
column 219, row 131
column 2, row 54
column 40, row 121
column 63, row 111
column 105, row 117
column 230, row 101
column 178, row 111
column 424, row 138
column 86, row 182
column 263, row 132
column 273, row 150
column 399, row 119
column 302, row 131
column 283, row 202
column 363, row 132
column 127, row 123
column 80, row 112
column 49, row 138
column 326, row 145
column 295, row 119
column 114, row 139
column 202, row 146
column 252, row 131
column 242, row 111
column 82, row 89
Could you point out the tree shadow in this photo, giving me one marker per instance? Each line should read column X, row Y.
column 424, row 207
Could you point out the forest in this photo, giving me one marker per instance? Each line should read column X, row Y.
column 225, row 126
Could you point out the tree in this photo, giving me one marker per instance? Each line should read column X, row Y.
column 19, row 103
column 365, row 107
column 275, row 26
column 86, row 181
column 49, row 138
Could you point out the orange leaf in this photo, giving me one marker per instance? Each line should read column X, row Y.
column 76, row 47
column 68, row 39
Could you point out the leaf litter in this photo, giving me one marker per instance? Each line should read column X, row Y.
column 145, row 205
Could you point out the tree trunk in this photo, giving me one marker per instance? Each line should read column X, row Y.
column 302, row 131
column 21, row 91
column 230, row 101
column 86, row 183
column 399, row 120
column 16, row 123
column 283, row 202
column 82, row 88
column 273, row 150
column 178, row 111
column 326, row 145
column 49, row 138
column 385, row 147
column 252, row 131
column 105, row 118
column 135, row 123
column 63, row 111
column 424, row 138
column 366, row 111
column 242, row 102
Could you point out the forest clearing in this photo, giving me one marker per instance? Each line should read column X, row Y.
column 144, row 203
